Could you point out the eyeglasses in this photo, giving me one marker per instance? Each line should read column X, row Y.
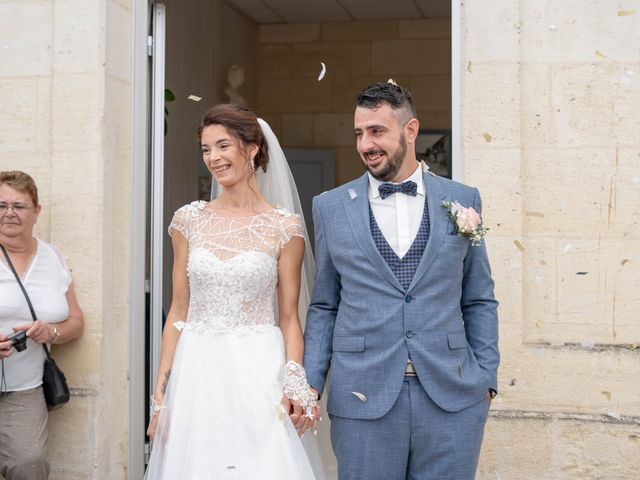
column 18, row 208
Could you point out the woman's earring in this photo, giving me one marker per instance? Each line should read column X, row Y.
column 252, row 164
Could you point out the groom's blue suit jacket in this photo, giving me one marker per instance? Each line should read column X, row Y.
column 364, row 325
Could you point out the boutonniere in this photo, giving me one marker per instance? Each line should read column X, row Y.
column 466, row 222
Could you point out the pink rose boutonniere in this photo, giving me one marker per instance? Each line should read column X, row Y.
column 466, row 221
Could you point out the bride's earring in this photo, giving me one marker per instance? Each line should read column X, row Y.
column 252, row 164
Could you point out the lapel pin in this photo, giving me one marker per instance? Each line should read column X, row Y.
column 352, row 193
column 360, row 396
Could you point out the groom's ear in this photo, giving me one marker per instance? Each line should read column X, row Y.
column 411, row 129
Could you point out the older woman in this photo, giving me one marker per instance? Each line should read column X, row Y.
column 44, row 273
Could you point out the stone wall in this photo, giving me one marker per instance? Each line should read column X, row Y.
column 309, row 113
column 550, row 95
column 65, row 119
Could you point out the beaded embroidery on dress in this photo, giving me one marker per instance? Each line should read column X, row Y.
column 222, row 416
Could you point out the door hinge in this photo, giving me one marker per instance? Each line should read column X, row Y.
column 150, row 46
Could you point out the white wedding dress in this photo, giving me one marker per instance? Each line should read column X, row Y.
column 222, row 417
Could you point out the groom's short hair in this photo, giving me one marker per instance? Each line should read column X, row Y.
column 397, row 97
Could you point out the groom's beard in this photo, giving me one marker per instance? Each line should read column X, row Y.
column 387, row 171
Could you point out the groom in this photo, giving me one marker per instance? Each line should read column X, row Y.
column 402, row 310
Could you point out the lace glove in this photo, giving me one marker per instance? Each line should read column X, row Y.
column 297, row 389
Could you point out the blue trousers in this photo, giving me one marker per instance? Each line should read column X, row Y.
column 415, row 440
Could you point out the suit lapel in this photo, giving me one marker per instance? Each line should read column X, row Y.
column 356, row 206
column 437, row 226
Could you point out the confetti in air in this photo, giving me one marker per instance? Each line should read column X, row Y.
column 323, row 71
column 194, row 98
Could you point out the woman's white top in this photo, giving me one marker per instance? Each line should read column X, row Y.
column 46, row 280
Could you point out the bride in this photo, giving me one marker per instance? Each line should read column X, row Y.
column 231, row 395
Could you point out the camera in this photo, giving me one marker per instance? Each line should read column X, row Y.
column 19, row 340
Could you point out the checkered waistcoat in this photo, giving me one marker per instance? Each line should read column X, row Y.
column 403, row 268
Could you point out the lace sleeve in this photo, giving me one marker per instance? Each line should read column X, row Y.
column 291, row 227
column 180, row 221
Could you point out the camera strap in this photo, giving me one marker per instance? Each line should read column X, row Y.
column 26, row 295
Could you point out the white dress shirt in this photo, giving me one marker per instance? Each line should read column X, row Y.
column 399, row 215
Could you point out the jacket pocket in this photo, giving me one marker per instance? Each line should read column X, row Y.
column 348, row 343
column 457, row 340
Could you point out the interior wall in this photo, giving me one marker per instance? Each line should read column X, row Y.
column 203, row 39
column 310, row 113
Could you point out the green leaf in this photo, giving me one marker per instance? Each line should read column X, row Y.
column 168, row 95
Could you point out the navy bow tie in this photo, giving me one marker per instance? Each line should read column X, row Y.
column 408, row 188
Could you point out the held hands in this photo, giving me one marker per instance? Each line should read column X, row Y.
column 300, row 401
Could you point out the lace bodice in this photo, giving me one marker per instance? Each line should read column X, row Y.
column 233, row 265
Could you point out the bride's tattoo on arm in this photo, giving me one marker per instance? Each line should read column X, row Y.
column 165, row 382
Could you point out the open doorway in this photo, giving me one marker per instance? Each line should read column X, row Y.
column 302, row 67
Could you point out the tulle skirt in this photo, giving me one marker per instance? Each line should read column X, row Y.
column 222, row 417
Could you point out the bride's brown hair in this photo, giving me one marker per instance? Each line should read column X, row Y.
column 242, row 124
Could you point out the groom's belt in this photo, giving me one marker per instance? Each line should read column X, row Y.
column 410, row 370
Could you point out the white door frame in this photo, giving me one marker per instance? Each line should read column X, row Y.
column 457, row 158
column 141, row 127
column 137, row 329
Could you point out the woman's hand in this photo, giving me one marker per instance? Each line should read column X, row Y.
column 153, row 425
column 38, row 331
column 6, row 348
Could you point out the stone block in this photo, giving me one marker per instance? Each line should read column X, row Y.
column 497, row 174
column 581, row 291
column 565, row 187
column 19, row 115
column 359, row 31
column 345, row 91
column 573, row 32
column 77, row 122
column 118, row 41
column 431, row 92
column 79, row 36
column 297, row 130
column 411, row 57
column 491, row 106
column 80, row 358
column 521, row 448
column 341, row 59
column 333, row 130
column 497, row 25
column 276, row 61
column 295, row 95
column 27, row 35
column 289, row 33
column 348, row 165
column 424, row 28
column 506, row 268
column 593, row 104
column 538, row 114
column 568, row 378
column 72, row 438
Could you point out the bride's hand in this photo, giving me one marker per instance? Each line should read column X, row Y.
column 153, row 425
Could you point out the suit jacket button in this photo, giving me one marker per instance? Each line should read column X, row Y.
column 408, row 299
column 409, row 334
